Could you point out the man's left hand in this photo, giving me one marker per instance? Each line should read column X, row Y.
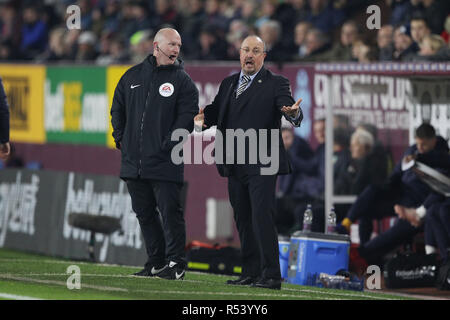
column 293, row 110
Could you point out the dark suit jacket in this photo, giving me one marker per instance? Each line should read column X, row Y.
column 259, row 108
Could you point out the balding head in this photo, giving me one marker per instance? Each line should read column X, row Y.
column 252, row 55
column 166, row 46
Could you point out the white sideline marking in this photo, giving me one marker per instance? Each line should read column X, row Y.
column 102, row 288
column 16, row 297
column 105, row 288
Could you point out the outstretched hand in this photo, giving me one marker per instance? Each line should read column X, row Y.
column 293, row 110
column 199, row 120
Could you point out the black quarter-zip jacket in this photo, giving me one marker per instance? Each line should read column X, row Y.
column 150, row 102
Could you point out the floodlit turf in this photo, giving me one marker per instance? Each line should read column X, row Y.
column 28, row 276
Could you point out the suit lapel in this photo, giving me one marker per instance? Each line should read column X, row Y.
column 249, row 92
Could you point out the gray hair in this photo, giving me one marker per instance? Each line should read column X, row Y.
column 363, row 137
column 274, row 25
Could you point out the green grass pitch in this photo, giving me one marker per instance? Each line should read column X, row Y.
column 31, row 276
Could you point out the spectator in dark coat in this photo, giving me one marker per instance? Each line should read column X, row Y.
column 342, row 51
column 404, row 47
column 317, row 46
column 324, row 16
column 270, row 33
column 403, row 188
column 34, row 33
column 288, row 196
column 385, row 43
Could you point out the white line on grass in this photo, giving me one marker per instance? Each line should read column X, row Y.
column 17, row 297
column 103, row 288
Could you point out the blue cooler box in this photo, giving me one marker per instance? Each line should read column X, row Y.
column 283, row 248
column 312, row 252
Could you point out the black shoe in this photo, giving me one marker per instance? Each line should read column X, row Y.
column 268, row 284
column 149, row 272
column 242, row 281
column 172, row 271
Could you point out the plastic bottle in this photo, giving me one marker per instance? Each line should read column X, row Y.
column 307, row 219
column 331, row 228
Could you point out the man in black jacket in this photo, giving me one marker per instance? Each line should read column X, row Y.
column 251, row 101
column 4, row 124
column 151, row 101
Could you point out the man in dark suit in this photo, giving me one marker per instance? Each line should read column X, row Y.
column 252, row 101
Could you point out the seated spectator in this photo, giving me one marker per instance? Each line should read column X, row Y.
column 137, row 19
column 112, row 16
column 324, row 16
column 86, row 47
column 34, row 33
column 249, row 12
column 385, row 42
column 311, row 181
column 403, row 188
column 85, row 13
column 210, row 45
column 431, row 45
column 10, row 23
column 116, row 52
column 55, row 50
column 419, row 28
column 300, row 31
column 363, row 52
column 237, row 33
column 446, row 33
column 435, row 12
column 141, row 43
column 194, row 19
column 6, row 51
column 268, row 8
column 317, row 46
column 405, row 48
column 71, row 43
column 383, row 155
column 359, row 172
column 214, row 18
column 342, row 51
column 270, row 33
column 166, row 14
column 288, row 195
column 300, row 8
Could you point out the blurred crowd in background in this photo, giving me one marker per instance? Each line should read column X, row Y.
column 115, row 31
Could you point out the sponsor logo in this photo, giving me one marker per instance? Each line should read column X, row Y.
column 166, row 89
column 135, row 86
column 156, row 271
column 17, row 206
column 179, row 276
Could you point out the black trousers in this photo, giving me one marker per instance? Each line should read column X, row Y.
column 373, row 203
column 253, row 200
column 164, row 235
column 437, row 227
column 402, row 232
